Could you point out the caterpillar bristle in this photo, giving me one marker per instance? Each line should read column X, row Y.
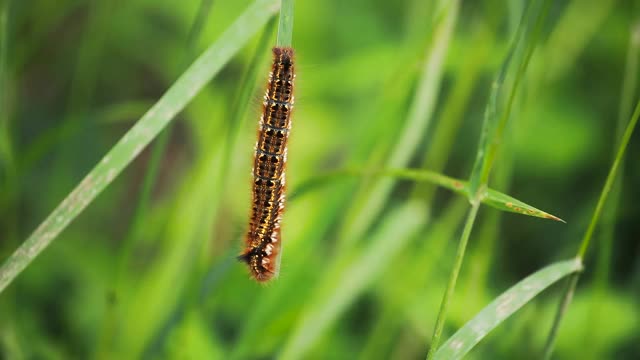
column 262, row 243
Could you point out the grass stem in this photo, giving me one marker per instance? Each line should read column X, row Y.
column 584, row 246
column 285, row 24
column 462, row 246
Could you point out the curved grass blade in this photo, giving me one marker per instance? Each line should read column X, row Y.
column 492, row 198
column 586, row 239
column 504, row 306
column 145, row 130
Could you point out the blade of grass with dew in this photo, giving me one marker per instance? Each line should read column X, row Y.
column 341, row 286
column 368, row 207
column 491, row 138
column 504, row 306
column 145, row 130
column 584, row 245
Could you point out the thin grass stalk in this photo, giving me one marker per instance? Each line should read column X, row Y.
column 629, row 85
column 248, row 85
column 490, row 113
column 5, row 149
column 368, row 206
column 9, row 187
column 446, row 129
column 451, row 284
column 498, row 130
column 285, row 24
column 586, row 240
column 490, row 142
column 198, row 24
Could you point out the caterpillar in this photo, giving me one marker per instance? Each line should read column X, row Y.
column 262, row 242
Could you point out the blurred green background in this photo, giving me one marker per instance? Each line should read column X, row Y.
column 357, row 281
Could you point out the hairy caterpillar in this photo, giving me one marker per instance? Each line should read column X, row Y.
column 262, row 243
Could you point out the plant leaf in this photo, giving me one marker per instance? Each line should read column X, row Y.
column 505, row 202
column 344, row 283
column 145, row 130
column 502, row 307
column 492, row 198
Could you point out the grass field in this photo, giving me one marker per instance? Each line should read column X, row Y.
column 462, row 180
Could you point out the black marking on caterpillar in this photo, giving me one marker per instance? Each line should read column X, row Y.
column 262, row 243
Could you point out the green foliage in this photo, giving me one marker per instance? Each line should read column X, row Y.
column 390, row 97
column 502, row 307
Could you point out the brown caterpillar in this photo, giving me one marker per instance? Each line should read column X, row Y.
column 262, row 244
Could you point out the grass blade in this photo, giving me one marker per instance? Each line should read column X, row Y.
column 285, row 24
column 491, row 138
column 342, row 286
column 504, row 306
column 371, row 201
column 568, row 294
column 451, row 284
column 492, row 197
column 504, row 202
column 145, row 130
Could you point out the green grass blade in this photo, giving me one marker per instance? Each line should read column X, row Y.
column 491, row 138
column 285, row 24
column 584, row 246
column 369, row 205
column 492, row 198
column 495, row 123
column 145, row 130
column 342, row 286
column 507, row 203
column 450, row 120
column 451, row 284
column 609, row 182
column 6, row 155
column 629, row 85
column 504, row 306
column 8, row 170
